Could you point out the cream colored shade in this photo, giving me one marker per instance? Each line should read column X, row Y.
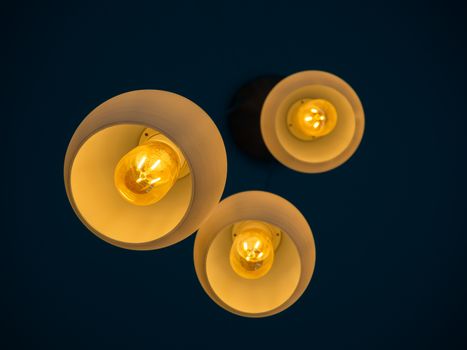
column 293, row 263
column 113, row 129
column 322, row 154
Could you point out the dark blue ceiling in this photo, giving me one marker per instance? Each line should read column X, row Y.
column 389, row 225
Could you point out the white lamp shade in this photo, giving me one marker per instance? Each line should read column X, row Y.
column 293, row 263
column 322, row 154
column 113, row 129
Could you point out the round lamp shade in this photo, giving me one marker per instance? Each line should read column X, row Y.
column 115, row 128
column 323, row 153
column 292, row 267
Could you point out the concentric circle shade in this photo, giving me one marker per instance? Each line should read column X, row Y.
column 112, row 130
column 327, row 152
column 293, row 264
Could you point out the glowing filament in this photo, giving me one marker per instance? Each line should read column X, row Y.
column 147, row 173
column 309, row 119
column 252, row 253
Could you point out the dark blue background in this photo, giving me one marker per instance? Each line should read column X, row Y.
column 389, row 224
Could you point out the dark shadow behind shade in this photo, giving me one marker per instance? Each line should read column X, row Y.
column 244, row 116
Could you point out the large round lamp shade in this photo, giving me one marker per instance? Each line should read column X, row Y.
column 323, row 153
column 294, row 257
column 116, row 127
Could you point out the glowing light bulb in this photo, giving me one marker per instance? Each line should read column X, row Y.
column 252, row 253
column 309, row 119
column 147, row 173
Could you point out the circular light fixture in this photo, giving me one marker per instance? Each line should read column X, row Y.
column 255, row 254
column 144, row 169
column 312, row 121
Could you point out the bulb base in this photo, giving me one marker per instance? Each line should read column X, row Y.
column 275, row 233
column 149, row 134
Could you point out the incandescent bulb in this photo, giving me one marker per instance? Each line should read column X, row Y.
column 252, row 253
column 147, row 173
column 309, row 119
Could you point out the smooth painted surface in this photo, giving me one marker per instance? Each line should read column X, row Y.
column 390, row 223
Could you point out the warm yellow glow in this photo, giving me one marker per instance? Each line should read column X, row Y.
column 309, row 119
column 252, row 252
column 147, row 173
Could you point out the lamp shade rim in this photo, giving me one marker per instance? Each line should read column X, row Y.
column 172, row 115
column 271, row 107
column 267, row 207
